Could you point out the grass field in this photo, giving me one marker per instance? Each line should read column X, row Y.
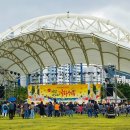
column 77, row 122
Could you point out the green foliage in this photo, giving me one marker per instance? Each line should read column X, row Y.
column 125, row 89
column 21, row 93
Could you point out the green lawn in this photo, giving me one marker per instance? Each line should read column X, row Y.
column 78, row 122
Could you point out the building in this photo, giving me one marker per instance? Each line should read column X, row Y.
column 67, row 74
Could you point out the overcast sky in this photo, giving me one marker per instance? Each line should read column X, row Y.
column 13, row 12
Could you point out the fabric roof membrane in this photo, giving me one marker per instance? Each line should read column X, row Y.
column 61, row 39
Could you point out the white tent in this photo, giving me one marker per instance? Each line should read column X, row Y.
column 64, row 38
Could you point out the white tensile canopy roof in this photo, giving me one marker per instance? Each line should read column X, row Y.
column 61, row 39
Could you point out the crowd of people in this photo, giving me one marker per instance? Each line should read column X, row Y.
column 55, row 109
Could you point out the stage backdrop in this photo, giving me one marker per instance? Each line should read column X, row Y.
column 64, row 92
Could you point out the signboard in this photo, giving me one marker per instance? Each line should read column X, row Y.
column 64, row 91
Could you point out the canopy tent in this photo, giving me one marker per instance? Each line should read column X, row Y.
column 61, row 39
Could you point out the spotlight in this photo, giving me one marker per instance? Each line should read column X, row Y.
column 29, row 75
column 11, row 72
column 15, row 73
column 89, row 73
column 74, row 73
column 38, row 75
column 98, row 73
column 70, row 73
column 106, row 70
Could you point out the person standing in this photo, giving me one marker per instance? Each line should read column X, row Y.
column 89, row 108
column 22, row 111
column 11, row 110
column 26, row 110
column 127, row 109
column 14, row 108
column 96, row 108
column 117, row 110
column 80, row 109
column 57, row 108
column 71, row 108
column 4, row 109
column 50, row 109
column 103, row 110
column 0, row 109
column 61, row 109
column 32, row 110
column 42, row 109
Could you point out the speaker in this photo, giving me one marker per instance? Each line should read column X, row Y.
column 1, row 91
column 109, row 90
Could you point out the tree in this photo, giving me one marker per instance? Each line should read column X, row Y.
column 124, row 89
column 103, row 92
column 21, row 93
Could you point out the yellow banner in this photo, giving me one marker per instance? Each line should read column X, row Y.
column 64, row 91
column 98, row 89
column 91, row 95
column 36, row 90
column 29, row 90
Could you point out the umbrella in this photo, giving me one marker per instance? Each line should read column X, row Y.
column 12, row 99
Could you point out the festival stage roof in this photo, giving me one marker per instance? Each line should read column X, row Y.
column 61, row 39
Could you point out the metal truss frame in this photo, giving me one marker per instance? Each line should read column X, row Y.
column 69, row 22
column 14, row 58
column 40, row 30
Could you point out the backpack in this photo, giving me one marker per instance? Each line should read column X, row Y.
column 5, row 107
column 11, row 106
